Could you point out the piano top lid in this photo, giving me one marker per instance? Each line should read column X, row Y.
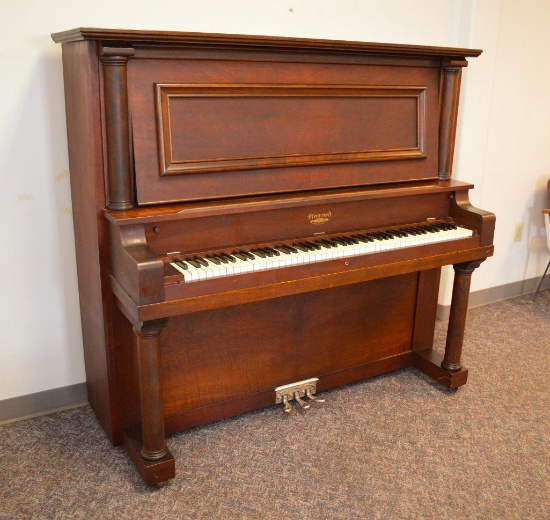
column 131, row 36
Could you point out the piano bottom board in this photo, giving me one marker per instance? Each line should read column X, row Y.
column 219, row 363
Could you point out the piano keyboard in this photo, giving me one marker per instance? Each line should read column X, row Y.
column 319, row 249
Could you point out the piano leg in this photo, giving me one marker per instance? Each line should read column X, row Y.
column 457, row 318
column 149, row 453
column 448, row 370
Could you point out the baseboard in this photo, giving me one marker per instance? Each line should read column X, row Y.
column 497, row 294
column 42, row 403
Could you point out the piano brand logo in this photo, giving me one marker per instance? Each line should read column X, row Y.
column 319, row 218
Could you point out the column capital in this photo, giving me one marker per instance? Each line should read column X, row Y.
column 467, row 268
column 150, row 329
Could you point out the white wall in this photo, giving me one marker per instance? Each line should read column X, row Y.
column 504, row 127
column 504, row 132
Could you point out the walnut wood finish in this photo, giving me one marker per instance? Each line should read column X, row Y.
column 452, row 73
column 119, row 178
column 457, row 318
column 188, row 143
column 152, row 414
column 190, row 39
column 86, row 155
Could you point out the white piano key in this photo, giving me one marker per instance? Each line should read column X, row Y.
column 338, row 248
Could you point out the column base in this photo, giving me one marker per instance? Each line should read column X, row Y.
column 428, row 361
column 152, row 472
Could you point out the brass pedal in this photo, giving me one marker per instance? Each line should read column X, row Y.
column 297, row 391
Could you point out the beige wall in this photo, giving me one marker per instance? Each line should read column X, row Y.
column 503, row 137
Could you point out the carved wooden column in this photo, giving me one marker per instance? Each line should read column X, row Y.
column 457, row 318
column 117, row 127
column 452, row 72
column 152, row 414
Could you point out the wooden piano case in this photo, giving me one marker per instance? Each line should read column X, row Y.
column 187, row 144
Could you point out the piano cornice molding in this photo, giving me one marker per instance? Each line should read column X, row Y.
column 132, row 36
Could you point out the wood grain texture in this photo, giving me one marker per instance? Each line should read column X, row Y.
column 117, row 127
column 452, row 74
column 457, row 319
column 267, row 126
column 187, row 143
column 295, row 339
column 216, row 142
column 255, row 41
column 82, row 105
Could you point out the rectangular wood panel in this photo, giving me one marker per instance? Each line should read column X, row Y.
column 217, row 356
column 217, row 128
column 211, row 128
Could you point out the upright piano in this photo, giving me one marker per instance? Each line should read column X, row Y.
column 258, row 219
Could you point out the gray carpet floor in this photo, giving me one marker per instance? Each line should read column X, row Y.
column 394, row 447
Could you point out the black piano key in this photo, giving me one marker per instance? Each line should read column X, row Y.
column 364, row 237
column 283, row 250
column 324, row 243
column 377, row 235
column 339, row 241
column 361, row 238
column 249, row 255
column 240, row 256
column 201, row 261
column 393, row 233
column 411, row 231
column 228, row 257
column 313, row 245
column 321, row 244
column 428, row 229
column 344, row 241
column 193, row 262
column 183, row 265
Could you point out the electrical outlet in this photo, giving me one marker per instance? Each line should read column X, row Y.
column 518, row 231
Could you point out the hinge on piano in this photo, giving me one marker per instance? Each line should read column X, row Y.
column 306, row 388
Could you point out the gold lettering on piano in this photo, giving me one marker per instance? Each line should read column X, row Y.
column 319, row 218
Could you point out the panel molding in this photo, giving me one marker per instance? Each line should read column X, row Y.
column 169, row 165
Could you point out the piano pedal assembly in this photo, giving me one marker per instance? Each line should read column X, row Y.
column 297, row 391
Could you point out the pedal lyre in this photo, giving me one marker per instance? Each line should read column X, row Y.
column 297, row 391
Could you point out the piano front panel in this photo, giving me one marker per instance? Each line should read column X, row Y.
column 206, row 128
column 231, row 353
